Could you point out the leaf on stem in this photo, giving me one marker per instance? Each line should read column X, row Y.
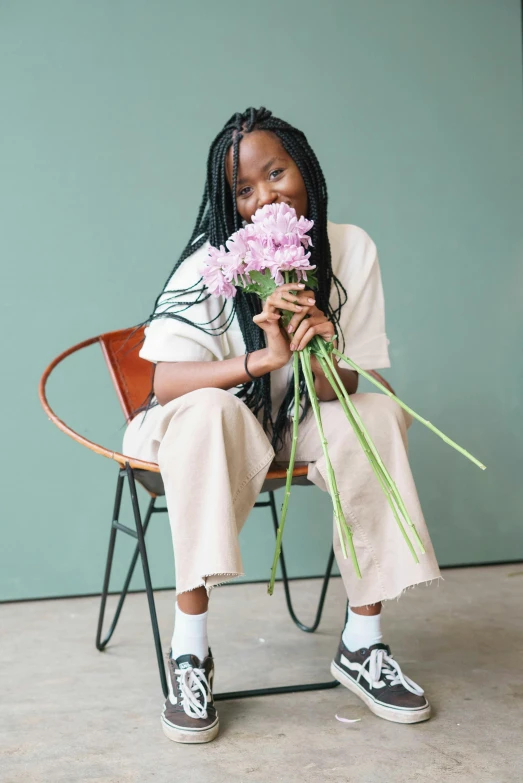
column 263, row 285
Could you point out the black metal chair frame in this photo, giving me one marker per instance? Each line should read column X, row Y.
column 128, row 474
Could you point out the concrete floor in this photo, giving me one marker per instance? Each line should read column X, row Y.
column 69, row 713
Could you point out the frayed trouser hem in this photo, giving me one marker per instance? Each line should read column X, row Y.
column 223, row 577
column 426, row 583
column 398, row 595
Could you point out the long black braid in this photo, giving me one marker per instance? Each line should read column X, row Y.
column 218, row 218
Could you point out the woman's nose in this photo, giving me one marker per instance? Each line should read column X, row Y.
column 266, row 196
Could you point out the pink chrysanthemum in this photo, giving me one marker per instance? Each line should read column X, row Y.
column 213, row 273
column 275, row 240
column 290, row 258
column 279, row 223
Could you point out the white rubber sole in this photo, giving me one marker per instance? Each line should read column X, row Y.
column 394, row 714
column 187, row 736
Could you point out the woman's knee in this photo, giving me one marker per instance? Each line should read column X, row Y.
column 370, row 406
column 383, row 409
column 212, row 400
column 196, row 418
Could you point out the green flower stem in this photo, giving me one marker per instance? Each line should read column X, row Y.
column 286, row 315
column 338, row 511
column 409, row 410
column 309, row 381
column 387, row 485
column 296, row 417
column 386, row 475
column 344, row 532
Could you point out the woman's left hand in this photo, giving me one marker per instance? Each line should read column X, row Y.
column 306, row 324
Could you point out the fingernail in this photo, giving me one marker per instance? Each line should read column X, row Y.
column 293, row 347
column 299, row 308
column 301, row 285
column 290, row 328
column 311, row 301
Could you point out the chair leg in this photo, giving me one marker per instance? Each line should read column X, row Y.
column 286, row 587
column 147, row 578
column 317, row 686
column 110, row 552
column 101, row 644
column 141, row 550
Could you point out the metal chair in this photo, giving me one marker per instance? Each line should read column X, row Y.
column 132, row 379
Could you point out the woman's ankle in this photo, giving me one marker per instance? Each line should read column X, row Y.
column 193, row 601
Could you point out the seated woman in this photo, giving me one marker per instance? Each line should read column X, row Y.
column 220, row 419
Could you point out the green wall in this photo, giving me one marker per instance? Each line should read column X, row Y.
column 108, row 108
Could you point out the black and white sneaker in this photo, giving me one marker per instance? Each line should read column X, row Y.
column 373, row 675
column 189, row 714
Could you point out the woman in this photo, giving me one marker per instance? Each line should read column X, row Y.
column 223, row 387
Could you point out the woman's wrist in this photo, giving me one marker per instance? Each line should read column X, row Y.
column 258, row 363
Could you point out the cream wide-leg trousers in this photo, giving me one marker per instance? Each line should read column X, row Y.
column 213, row 456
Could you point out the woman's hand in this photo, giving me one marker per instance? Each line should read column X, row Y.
column 278, row 343
column 307, row 323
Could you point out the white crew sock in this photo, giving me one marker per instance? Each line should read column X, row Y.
column 190, row 635
column 361, row 631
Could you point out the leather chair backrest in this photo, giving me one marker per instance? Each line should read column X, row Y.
column 132, row 377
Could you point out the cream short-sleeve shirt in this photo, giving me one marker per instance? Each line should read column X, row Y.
column 362, row 319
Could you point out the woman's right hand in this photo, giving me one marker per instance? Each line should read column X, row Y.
column 278, row 344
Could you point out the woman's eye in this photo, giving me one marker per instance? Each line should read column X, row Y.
column 276, row 172
column 243, row 192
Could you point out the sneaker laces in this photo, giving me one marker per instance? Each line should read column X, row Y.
column 194, row 691
column 383, row 664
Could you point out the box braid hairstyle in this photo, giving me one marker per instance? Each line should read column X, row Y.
column 218, row 218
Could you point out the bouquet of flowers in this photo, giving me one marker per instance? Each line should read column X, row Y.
column 263, row 255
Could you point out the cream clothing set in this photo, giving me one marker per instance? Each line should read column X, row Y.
column 214, row 455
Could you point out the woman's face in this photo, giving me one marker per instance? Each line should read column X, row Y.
column 266, row 175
